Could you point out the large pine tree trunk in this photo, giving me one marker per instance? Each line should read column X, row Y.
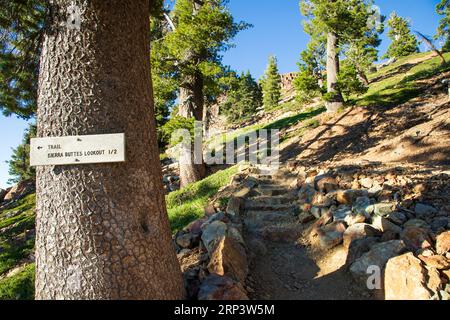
column 336, row 100
column 102, row 229
column 191, row 106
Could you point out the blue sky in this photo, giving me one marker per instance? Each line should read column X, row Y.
column 277, row 30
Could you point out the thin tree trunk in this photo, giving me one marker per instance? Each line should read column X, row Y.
column 336, row 100
column 191, row 106
column 102, row 229
column 362, row 76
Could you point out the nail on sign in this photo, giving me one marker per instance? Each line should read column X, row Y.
column 102, row 148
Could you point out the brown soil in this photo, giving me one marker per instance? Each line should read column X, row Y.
column 289, row 272
column 415, row 132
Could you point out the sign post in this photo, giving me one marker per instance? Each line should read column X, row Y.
column 67, row 150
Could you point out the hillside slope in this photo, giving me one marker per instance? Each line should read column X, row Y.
column 403, row 121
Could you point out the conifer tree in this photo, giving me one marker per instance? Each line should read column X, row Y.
column 337, row 28
column 443, row 31
column 271, row 84
column 337, row 21
column 19, row 165
column 243, row 97
column 190, row 53
column 403, row 42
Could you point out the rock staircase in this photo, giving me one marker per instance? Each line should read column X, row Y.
column 270, row 211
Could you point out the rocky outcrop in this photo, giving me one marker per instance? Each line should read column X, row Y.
column 212, row 252
column 377, row 256
column 407, row 279
column 19, row 190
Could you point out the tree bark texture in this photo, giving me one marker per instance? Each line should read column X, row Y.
column 336, row 100
column 102, row 229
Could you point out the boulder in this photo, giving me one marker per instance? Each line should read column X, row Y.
column 378, row 255
column 19, row 190
column 234, row 206
column 436, row 261
column 355, row 218
column 350, row 195
column 424, row 211
column 358, row 247
column 419, row 223
column 324, row 220
column 362, row 205
column 406, row 279
column 216, row 287
column 187, row 240
column 389, row 235
column 376, row 190
column 326, row 183
column 3, row 193
column 195, row 227
column 321, row 200
column 397, row 218
column 416, row 238
column 316, row 212
column 366, row 183
column 235, row 231
column 331, row 235
column 306, row 193
column 358, row 231
column 443, row 242
column 341, row 213
column 385, row 225
column 439, row 224
column 383, row 209
column 229, row 258
column 212, row 234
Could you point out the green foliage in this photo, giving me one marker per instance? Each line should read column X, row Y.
column 403, row 42
column 19, row 286
column 346, row 18
column 349, row 82
column 14, row 243
column 19, row 165
column 309, row 81
column 21, row 26
column 306, row 86
column 243, row 98
column 271, row 84
column 202, row 31
column 187, row 204
column 293, row 120
column 400, row 87
column 175, row 123
column 357, row 25
column 443, row 31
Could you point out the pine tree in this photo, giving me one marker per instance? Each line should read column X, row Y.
column 443, row 31
column 19, row 165
column 190, row 54
column 337, row 28
column 21, row 29
column 243, row 98
column 337, row 21
column 271, row 84
column 403, row 42
column 92, row 242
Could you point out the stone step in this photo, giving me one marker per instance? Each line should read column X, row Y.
column 268, row 205
column 255, row 220
column 272, row 190
column 281, row 199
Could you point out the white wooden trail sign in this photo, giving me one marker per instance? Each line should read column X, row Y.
column 101, row 148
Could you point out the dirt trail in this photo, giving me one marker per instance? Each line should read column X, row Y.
column 281, row 267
